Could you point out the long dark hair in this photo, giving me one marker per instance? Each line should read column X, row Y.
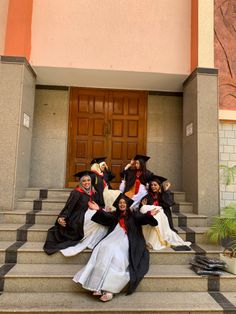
column 150, row 188
column 143, row 167
column 128, row 210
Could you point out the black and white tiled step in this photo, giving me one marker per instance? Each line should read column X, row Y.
column 49, row 216
column 58, row 203
column 38, row 232
column 139, row 302
column 58, row 278
column 35, row 273
column 35, row 193
column 32, row 253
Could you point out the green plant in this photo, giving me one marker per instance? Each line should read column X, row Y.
column 224, row 227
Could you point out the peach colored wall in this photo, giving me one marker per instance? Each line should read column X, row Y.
column 194, row 34
column 132, row 35
column 3, row 23
column 18, row 31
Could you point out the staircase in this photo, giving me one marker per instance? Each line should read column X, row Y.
column 33, row 282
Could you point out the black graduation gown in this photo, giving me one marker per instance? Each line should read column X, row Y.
column 60, row 237
column 138, row 253
column 99, row 187
column 108, row 177
column 130, row 175
column 165, row 200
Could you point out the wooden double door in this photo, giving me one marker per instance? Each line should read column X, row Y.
column 103, row 122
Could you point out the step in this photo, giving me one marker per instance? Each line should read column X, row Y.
column 34, row 193
column 179, row 196
column 8, row 232
column 190, row 220
column 64, row 193
column 59, row 203
column 32, row 252
column 49, row 216
column 138, row 302
column 58, row 278
column 13, row 216
column 38, row 233
column 46, row 204
column 183, row 207
column 3, row 246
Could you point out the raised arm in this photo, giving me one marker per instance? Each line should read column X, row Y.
column 146, row 219
column 104, row 218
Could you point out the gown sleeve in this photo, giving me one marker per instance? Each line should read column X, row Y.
column 145, row 219
column 109, row 175
column 103, row 218
column 167, row 198
column 70, row 204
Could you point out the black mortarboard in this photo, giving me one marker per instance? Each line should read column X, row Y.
column 97, row 160
column 142, row 157
column 157, row 179
column 84, row 173
column 129, row 201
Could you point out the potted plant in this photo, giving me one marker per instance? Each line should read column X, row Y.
column 223, row 231
column 223, row 228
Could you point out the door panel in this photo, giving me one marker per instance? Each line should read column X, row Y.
column 127, row 116
column 108, row 123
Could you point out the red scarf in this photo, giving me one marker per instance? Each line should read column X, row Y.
column 155, row 199
column 137, row 182
column 122, row 222
column 82, row 191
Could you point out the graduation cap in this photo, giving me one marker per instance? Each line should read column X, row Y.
column 128, row 200
column 158, row 179
column 98, row 160
column 142, row 157
column 84, row 173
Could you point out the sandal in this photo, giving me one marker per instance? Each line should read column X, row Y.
column 107, row 296
column 97, row 293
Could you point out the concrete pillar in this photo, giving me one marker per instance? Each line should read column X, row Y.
column 17, row 90
column 200, row 141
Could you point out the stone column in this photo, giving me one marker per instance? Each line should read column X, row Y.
column 17, row 90
column 200, row 141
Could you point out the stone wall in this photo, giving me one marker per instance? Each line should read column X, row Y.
column 164, row 137
column 200, row 141
column 227, row 157
column 17, row 91
column 49, row 143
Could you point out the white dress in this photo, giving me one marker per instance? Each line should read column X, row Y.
column 107, row 268
column 109, row 197
column 160, row 236
column 137, row 197
column 93, row 233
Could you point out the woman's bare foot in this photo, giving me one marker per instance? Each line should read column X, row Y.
column 107, row 296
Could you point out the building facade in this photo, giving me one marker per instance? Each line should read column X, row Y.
column 88, row 78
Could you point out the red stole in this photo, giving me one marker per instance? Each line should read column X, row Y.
column 122, row 222
column 137, row 182
column 82, row 191
column 155, row 199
